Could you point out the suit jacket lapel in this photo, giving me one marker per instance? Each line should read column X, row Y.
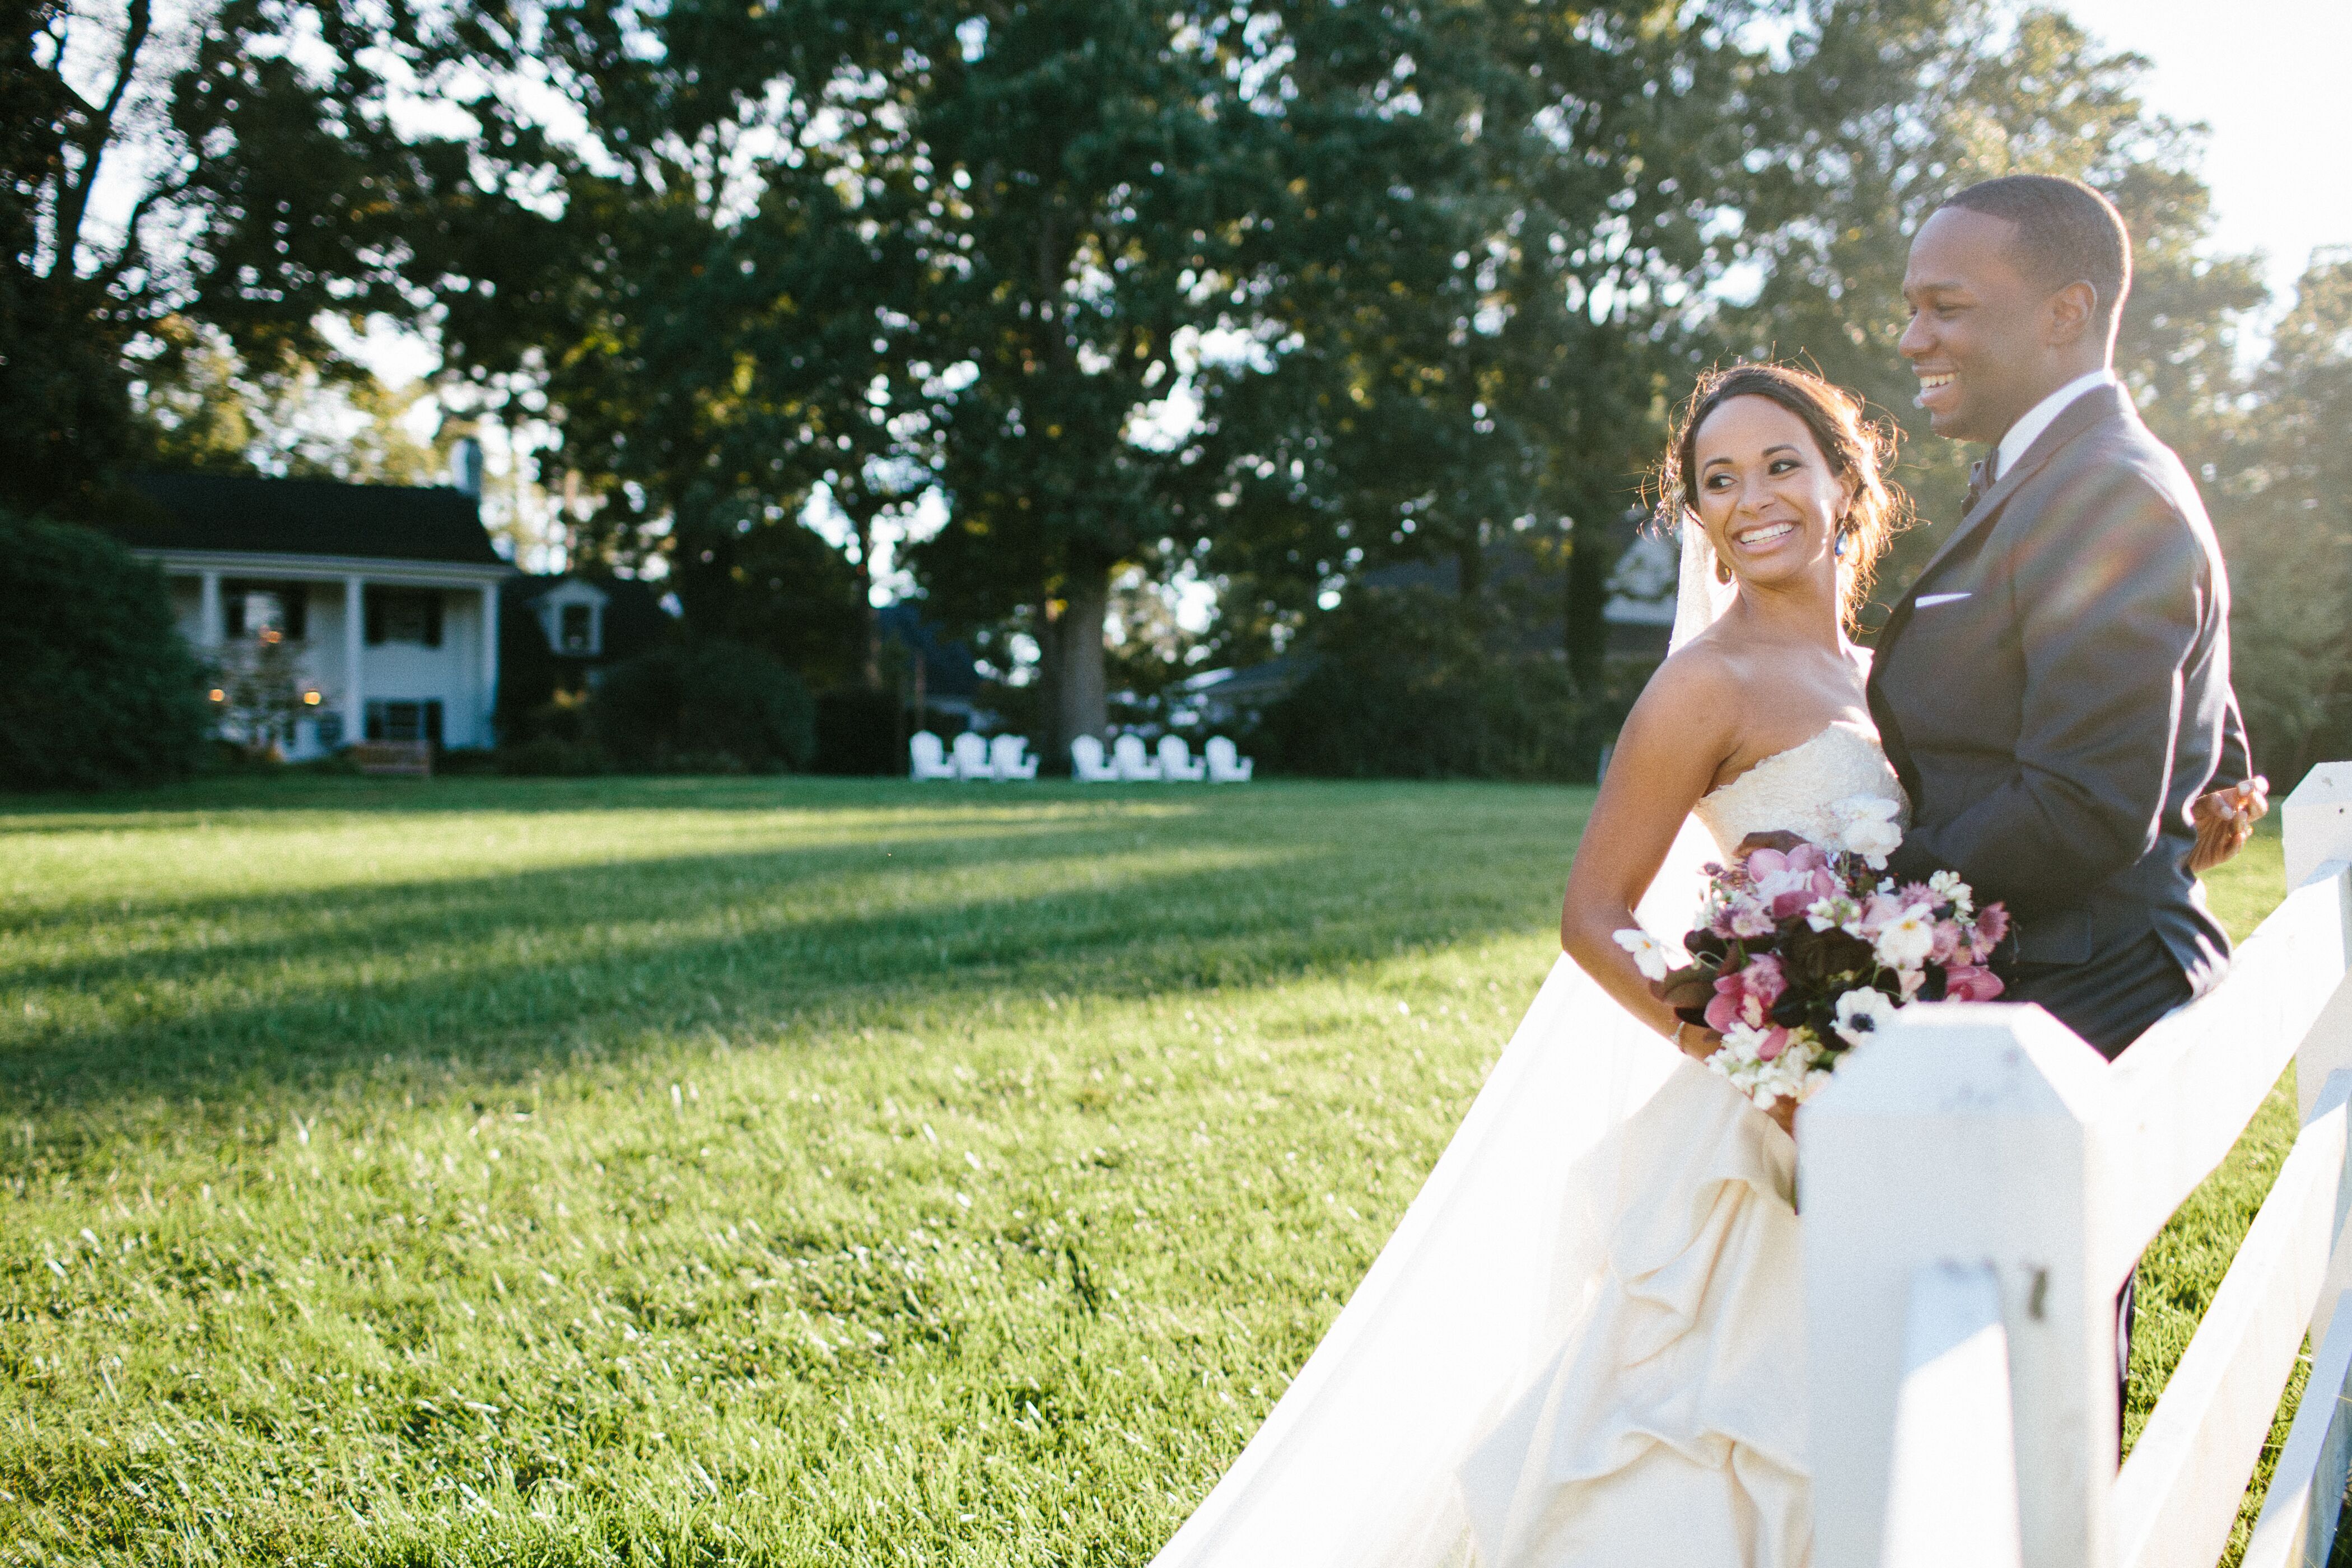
column 2093, row 408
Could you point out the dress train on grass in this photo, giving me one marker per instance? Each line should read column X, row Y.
column 1582, row 1345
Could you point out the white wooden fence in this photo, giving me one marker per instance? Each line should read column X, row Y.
column 1971, row 1208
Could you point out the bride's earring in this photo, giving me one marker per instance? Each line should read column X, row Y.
column 1843, row 534
column 1722, row 571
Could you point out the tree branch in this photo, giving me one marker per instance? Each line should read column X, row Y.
column 91, row 138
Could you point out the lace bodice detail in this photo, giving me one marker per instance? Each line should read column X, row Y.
column 1794, row 789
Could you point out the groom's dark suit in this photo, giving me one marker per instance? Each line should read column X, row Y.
column 2054, row 691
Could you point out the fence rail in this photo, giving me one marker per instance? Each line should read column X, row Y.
column 1971, row 1208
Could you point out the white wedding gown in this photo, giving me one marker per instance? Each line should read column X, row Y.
column 1584, row 1343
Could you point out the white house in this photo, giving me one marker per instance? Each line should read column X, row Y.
column 389, row 596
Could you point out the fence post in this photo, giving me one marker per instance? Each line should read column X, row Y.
column 1951, row 1500
column 1968, row 1136
column 2317, row 821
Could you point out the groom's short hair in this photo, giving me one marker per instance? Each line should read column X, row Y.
column 2066, row 232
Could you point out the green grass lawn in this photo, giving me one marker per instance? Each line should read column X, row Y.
column 668, row 1171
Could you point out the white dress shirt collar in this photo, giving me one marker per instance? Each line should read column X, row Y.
column 2037, row 418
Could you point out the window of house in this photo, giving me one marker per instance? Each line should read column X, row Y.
column 579, row 628
column 403, row 615
column 249, row 609
column 396, row 719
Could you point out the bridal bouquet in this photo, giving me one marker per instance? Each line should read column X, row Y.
column 1800, row 956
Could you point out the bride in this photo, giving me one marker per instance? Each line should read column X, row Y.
column 1583, row 1345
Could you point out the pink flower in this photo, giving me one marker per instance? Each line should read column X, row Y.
column 1918, row 893
column 1790, row 884
column 1992, row 924
column 1881, row 910
column 1771, row 1045
column 1746, row 996
column 1949, row 940
column 1804, row 857
column 1970, row 982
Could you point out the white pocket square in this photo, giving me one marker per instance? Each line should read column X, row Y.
column 1924, row 600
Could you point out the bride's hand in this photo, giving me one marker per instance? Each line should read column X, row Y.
column 2225, row 820
column 1696, row 1041
column 1784, row 1115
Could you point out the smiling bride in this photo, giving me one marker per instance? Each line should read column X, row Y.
column 1584, row 1343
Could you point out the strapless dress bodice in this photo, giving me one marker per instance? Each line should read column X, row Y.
column 1794, row 790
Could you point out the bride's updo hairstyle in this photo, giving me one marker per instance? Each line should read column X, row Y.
column 1859, row 450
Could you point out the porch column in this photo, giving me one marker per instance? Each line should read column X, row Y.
column 354, row 645
column 211, row 615
column 489, row 663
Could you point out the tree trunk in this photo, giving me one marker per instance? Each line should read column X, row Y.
column 869, row 625
column 1590, row 555
column 1470, row 566
column 1072, row 666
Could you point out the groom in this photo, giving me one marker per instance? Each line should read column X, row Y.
column 2055, row 687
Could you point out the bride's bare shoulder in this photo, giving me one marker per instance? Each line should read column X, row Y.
column 1696, row 690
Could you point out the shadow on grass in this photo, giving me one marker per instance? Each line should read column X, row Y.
column 170, row 807
column 499, row 975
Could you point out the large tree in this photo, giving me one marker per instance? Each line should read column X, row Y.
column 1484, row 280
column 2286, row 527
column 250, row 166
column 717, row 323
column 873, row 248
column 1101, row 178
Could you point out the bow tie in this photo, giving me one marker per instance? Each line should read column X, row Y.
column 1979, row 481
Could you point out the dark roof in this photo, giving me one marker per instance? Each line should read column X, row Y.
column 306, row 517
column 634, row 618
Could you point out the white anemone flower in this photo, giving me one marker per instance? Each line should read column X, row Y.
column 1861, row 1013
column 1651, row 956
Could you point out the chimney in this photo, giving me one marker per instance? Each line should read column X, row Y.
column 466, row 466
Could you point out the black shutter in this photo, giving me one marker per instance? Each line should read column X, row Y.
column 433, row 599
column 433, row 711
column 296, row 597
column 232, row 610
column 372, row 598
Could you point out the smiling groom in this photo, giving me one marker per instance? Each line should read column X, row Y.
column 2055, row 687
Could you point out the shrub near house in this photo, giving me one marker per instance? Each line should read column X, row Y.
column 100, row 688
column 705, row 707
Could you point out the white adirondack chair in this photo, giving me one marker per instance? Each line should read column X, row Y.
column 971, row 756
column 1134, row 763
column 1087, row 764
column 1225, row 765
column 1007, row 760
column 1176, row 759
column 929, row 757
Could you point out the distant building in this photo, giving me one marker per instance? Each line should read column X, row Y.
column 939, row 674
column 388, row 596
column 590, row 622
column 1640, row 611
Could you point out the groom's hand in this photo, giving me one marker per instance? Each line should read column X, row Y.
column 1779, row 838
column 2225, row 820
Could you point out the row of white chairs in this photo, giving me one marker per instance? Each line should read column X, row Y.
column 974, row 756
column 1128, row 763
column 1006, row 757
